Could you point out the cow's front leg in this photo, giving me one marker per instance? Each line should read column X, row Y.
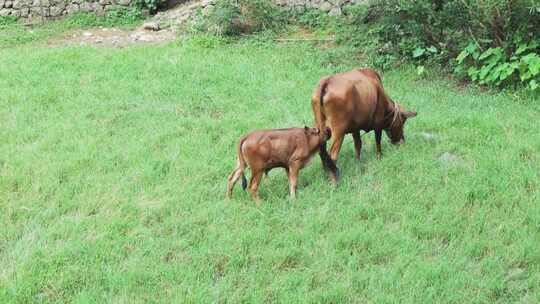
column 357, row 144
column 378, row 135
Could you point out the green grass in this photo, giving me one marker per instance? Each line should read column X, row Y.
column 113, row 167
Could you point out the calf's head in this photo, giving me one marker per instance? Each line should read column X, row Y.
column 395, row 128
column 314, row 135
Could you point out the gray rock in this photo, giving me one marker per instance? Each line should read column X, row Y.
column 8, row 4
column 123, row 2
column 110, row 7
column 72, row 8
column 25, row 11
column 39, row 3
column 152, row 26
column 35, row 11
column 97, row 8
column 104, row 2
column 515, row 274
column 2, row 2
column 335, row 11
column 5, row 12
column 427, row 136
column 56, row 11
column 448, row 158
column 326, row 7
column 17, row 4
column 85, row 7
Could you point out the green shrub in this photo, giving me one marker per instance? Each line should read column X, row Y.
column 494, row 66
column 438, row 31
column 238, row 17
column 150, row 5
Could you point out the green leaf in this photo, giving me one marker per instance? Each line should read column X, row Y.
column 526, row 46
column 484, row 71
column 420, row 70
column 492, row 51
column 464, row 54
column 533, row 85
column 418, row 52
column 432, row 49
column 473, row 73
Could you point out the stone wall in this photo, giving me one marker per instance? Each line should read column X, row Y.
column 333, row 7
column 57, row 8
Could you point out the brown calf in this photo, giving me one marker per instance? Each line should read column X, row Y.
column 353, row 101
column 264, row 150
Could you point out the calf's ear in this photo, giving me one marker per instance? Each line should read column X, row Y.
column 409, row 114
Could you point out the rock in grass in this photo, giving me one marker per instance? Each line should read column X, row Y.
column 448, row 158
column 427, row 136
column 152, row 26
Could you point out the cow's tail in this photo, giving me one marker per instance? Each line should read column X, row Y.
column 320, row 120
column 238, row 171
column 318, row 105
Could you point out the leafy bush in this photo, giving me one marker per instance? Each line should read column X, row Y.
column 493, row 66
column 439, row 31
column 237, row 17
column 151, row 5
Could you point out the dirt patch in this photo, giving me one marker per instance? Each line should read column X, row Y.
column 113, row 37
column 164, row 27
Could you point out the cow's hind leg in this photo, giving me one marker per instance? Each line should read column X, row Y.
column 357, row 144
column 338, row 136
column 328, row 164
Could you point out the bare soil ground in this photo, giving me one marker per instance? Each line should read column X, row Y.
column 169, row 22
column 113, row 37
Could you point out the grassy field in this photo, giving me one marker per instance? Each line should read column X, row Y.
column 113, row 168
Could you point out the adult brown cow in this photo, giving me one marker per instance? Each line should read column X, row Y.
column 352, row 101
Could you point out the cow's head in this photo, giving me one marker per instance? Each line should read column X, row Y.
column 397, row 119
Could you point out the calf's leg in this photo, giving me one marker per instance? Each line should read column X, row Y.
column 254, row 184
column 294, row 168
column 233, row 178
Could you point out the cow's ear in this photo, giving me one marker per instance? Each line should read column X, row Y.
column 409, row 114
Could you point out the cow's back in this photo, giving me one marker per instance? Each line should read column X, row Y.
column 351, row 99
